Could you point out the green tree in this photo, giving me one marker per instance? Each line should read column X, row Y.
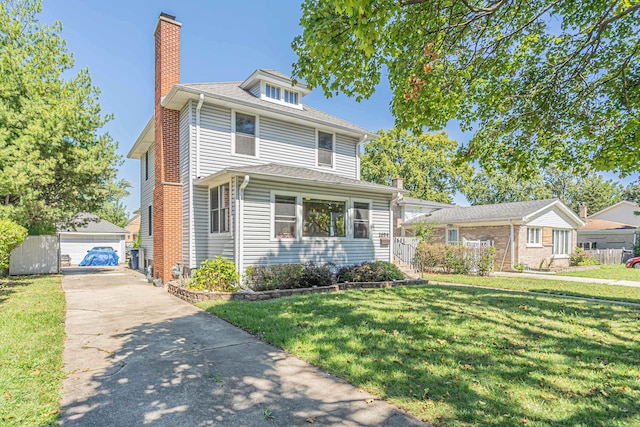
column 488, row 188
column 540, row 82
column 632, row 192
column 114, row 210
column 54, row 162
column 426, row 163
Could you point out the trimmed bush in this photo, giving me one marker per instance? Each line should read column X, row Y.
column 581, row 257
column 276, row 276
column 454, row 259
column 11, row 235
column 378, row 271
column 316, row 275
column 217, row 275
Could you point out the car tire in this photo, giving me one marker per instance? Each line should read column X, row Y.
column 636, row 265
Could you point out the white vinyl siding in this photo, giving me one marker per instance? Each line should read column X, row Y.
column 279, row 142
column 261, row 247
column 553, row 219
column 146, row 200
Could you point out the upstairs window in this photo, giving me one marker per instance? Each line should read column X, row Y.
column 245, row 134
column 291, row 97
column 273, row 92
column 325, row 149
column 360, row 220
column 219, row 205
column 285, row 219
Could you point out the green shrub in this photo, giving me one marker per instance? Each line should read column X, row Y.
column 581, row 257
column 275, row 276
column 217, row 275
column 316, row 275
column 11, row 235
column 378, row 271
column 456, row 259
column 486, row 260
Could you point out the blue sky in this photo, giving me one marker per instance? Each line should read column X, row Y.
column 221, row 41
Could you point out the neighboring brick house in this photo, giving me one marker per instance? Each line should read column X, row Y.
column 539, row 233
column 133, row 228
column 247, row 171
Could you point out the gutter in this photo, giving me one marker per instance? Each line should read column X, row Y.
column 513, row 249
column 240, row 225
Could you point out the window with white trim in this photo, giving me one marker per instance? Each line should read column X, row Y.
column 245, row 134
column 272, row 92
column 285, row 221
column 452, row 236
column 325, row 149
column 290, row 97
column 561, row 242
column 219, row 209
column 361, row 225
column 534, row 236
column 323, row 218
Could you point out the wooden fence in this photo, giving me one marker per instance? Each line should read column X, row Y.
column 611, row 256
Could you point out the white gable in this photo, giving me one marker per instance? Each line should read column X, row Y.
column 622, row 212
column 552, row 218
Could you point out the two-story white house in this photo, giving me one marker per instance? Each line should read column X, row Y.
column 248, row 171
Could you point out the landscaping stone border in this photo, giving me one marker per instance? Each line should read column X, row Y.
column 193, row 297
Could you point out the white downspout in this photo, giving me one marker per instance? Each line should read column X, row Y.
column 358, row 150
column 192, row 231
column 391, row 227
column 512, row 246
column 240, row 264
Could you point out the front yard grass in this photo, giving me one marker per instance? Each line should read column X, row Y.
column 457, row 356
column 32, row 315
column 614, row 272
column 556, row 287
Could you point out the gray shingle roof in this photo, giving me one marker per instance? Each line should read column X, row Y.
column 495, row 212
column 233, row 92
column 304, row 174
column 93, row 224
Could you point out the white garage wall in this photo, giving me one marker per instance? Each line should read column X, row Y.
column 76, row 245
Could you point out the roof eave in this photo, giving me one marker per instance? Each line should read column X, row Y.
column 499, row 221
column 144, row 141
column 259, row 74
column 179, row 95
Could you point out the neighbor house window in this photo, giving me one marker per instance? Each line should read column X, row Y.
column 360, row 220
column 219, row 205
column 452, row 235
column 285, row 220
column 245, row 134
column 146, row 165
column 290, row 97
column 325, row 149
column 561, row 242
column 534, row 236
column 273, row 92
column 150, row 220
column 323, row 218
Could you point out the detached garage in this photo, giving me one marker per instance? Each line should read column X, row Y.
column 97, row 232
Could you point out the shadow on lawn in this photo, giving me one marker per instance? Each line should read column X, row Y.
column 10, row 285
column 471, row 356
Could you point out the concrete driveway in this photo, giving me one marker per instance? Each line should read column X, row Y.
column 136, row 355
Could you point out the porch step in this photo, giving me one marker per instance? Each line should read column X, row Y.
column 406, row 269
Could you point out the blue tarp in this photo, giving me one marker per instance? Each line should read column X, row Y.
column 99, row 258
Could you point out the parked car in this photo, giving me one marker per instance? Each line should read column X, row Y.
column 634, row 262
column 102, row 248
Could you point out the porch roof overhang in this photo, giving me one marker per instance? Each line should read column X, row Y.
column 290, row 174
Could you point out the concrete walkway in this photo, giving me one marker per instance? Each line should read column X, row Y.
column 569, row 278
column 136, row 355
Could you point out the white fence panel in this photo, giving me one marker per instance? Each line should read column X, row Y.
column 36, row 255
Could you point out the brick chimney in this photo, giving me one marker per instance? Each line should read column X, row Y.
column 582, row 209
column 167, row 193
column 397, row 182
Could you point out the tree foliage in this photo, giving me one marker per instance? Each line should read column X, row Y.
column 11, row 235
column 540, row 81
column 54, row 162
column 113, row 209
column 426, row 163
column 570, row 186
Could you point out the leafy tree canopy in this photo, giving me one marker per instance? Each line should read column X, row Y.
column 54, row 162
column 540, row 81
column 425, row 162
column 570, row 186
column 113, row 209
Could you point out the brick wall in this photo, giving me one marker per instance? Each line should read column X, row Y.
column 167, row 194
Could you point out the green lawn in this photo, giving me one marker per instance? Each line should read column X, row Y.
column 557, row 287
column 457, row 356
column 615, row 272
column 32, row 315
